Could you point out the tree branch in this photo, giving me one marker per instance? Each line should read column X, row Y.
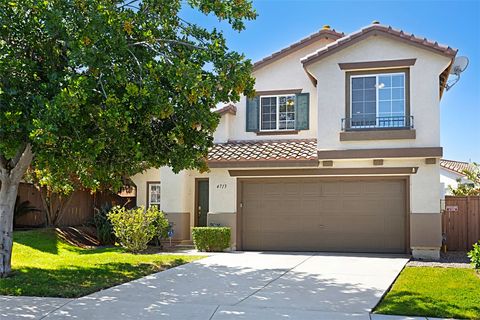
column 23, row 163
column 183, row 43
column 138, row 64
column 101, row 86
column 13, row 162
column 3, row 162
column 127, row 4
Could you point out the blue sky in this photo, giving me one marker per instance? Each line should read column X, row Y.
column 455, row 23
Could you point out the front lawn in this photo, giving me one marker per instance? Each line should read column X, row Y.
column 46, row 266
column 434, row 292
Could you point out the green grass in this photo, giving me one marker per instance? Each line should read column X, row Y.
column 434, row 292
column 46, row 266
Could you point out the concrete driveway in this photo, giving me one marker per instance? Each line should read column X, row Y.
column 251, row 285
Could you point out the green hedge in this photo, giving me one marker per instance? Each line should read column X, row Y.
column 211, row 239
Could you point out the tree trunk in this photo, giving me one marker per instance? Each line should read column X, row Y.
column 8, row 195
column 11, row 173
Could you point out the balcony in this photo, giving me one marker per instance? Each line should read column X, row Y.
column 369, row 127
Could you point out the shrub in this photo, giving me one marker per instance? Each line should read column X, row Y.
column 161, row 227
column 134, row 228
column 211, row 239
column 103, row 226
column 474, row 256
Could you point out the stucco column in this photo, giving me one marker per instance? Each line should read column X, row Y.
column 425, row 217
column 174, row 201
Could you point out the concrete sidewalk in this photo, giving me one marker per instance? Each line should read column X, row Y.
column 235, row 286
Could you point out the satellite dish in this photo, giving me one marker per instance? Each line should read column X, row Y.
column 459, row 65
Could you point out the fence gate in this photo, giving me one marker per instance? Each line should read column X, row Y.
column 461, row 222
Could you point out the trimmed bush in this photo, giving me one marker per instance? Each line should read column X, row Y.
column 135, row 228
column 474, row 256
column 211, row 239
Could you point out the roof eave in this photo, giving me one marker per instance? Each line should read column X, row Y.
column 324, row 33
column 349, row 40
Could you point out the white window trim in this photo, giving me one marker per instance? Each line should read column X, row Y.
column 376, row 75
column 277, row 122
column 150, row 184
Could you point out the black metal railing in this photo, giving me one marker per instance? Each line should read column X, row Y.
column 369, row 122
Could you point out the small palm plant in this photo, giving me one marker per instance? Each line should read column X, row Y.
column 22, row 208
column 474, row 256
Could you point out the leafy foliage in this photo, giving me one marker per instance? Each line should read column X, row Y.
column 471, row 188
column 95, row 91
column 474, row 255
column 103, row 226
column 211, row 238
column 162, row 226
column 104, row 89
column 135, row 228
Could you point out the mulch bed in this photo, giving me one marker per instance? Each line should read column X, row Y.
column 83, row 237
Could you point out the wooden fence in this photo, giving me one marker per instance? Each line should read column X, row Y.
column 461, row 222
column 79, row 211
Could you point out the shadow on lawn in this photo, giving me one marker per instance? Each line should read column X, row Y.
column 410, row 304
column 73, row 282
column 48, row 240
column 45, row 240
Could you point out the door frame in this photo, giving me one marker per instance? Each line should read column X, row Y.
column 195, row 209
column 406, row 179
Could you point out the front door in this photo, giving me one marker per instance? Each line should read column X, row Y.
column 202, row 202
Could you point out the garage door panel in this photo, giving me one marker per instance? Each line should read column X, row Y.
column 352, row 188
column 361, row 215
column 331, row 188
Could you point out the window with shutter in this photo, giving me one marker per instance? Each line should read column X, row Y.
column 252, row 116
column 303, row 111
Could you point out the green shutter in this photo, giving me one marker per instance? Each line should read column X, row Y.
column 302, row 111
column 253, row 114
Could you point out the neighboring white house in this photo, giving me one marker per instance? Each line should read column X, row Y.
column 339, row 150
column 451, row 172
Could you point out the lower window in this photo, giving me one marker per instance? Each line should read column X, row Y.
column 154, row 189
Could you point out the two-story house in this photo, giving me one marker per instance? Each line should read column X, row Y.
column 339, row 151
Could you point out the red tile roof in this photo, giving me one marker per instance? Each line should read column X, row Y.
column 264, row 150
column 379, row 29
column 323, row 33
column 229, row 108
column 456, row 166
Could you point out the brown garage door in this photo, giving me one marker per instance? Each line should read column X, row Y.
column 308, row 214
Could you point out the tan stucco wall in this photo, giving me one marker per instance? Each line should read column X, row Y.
column 181, row 224
column 178, row 190
column 425, row 230
column 424, row 92
column 141, row 179
column 224, row 129
column 285, row 73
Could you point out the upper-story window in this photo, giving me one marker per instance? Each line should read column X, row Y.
column 378, row 101
column 277, row 112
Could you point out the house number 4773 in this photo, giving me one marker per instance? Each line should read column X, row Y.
column 222, row 186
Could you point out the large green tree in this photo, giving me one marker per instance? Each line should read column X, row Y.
column 92, row 91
